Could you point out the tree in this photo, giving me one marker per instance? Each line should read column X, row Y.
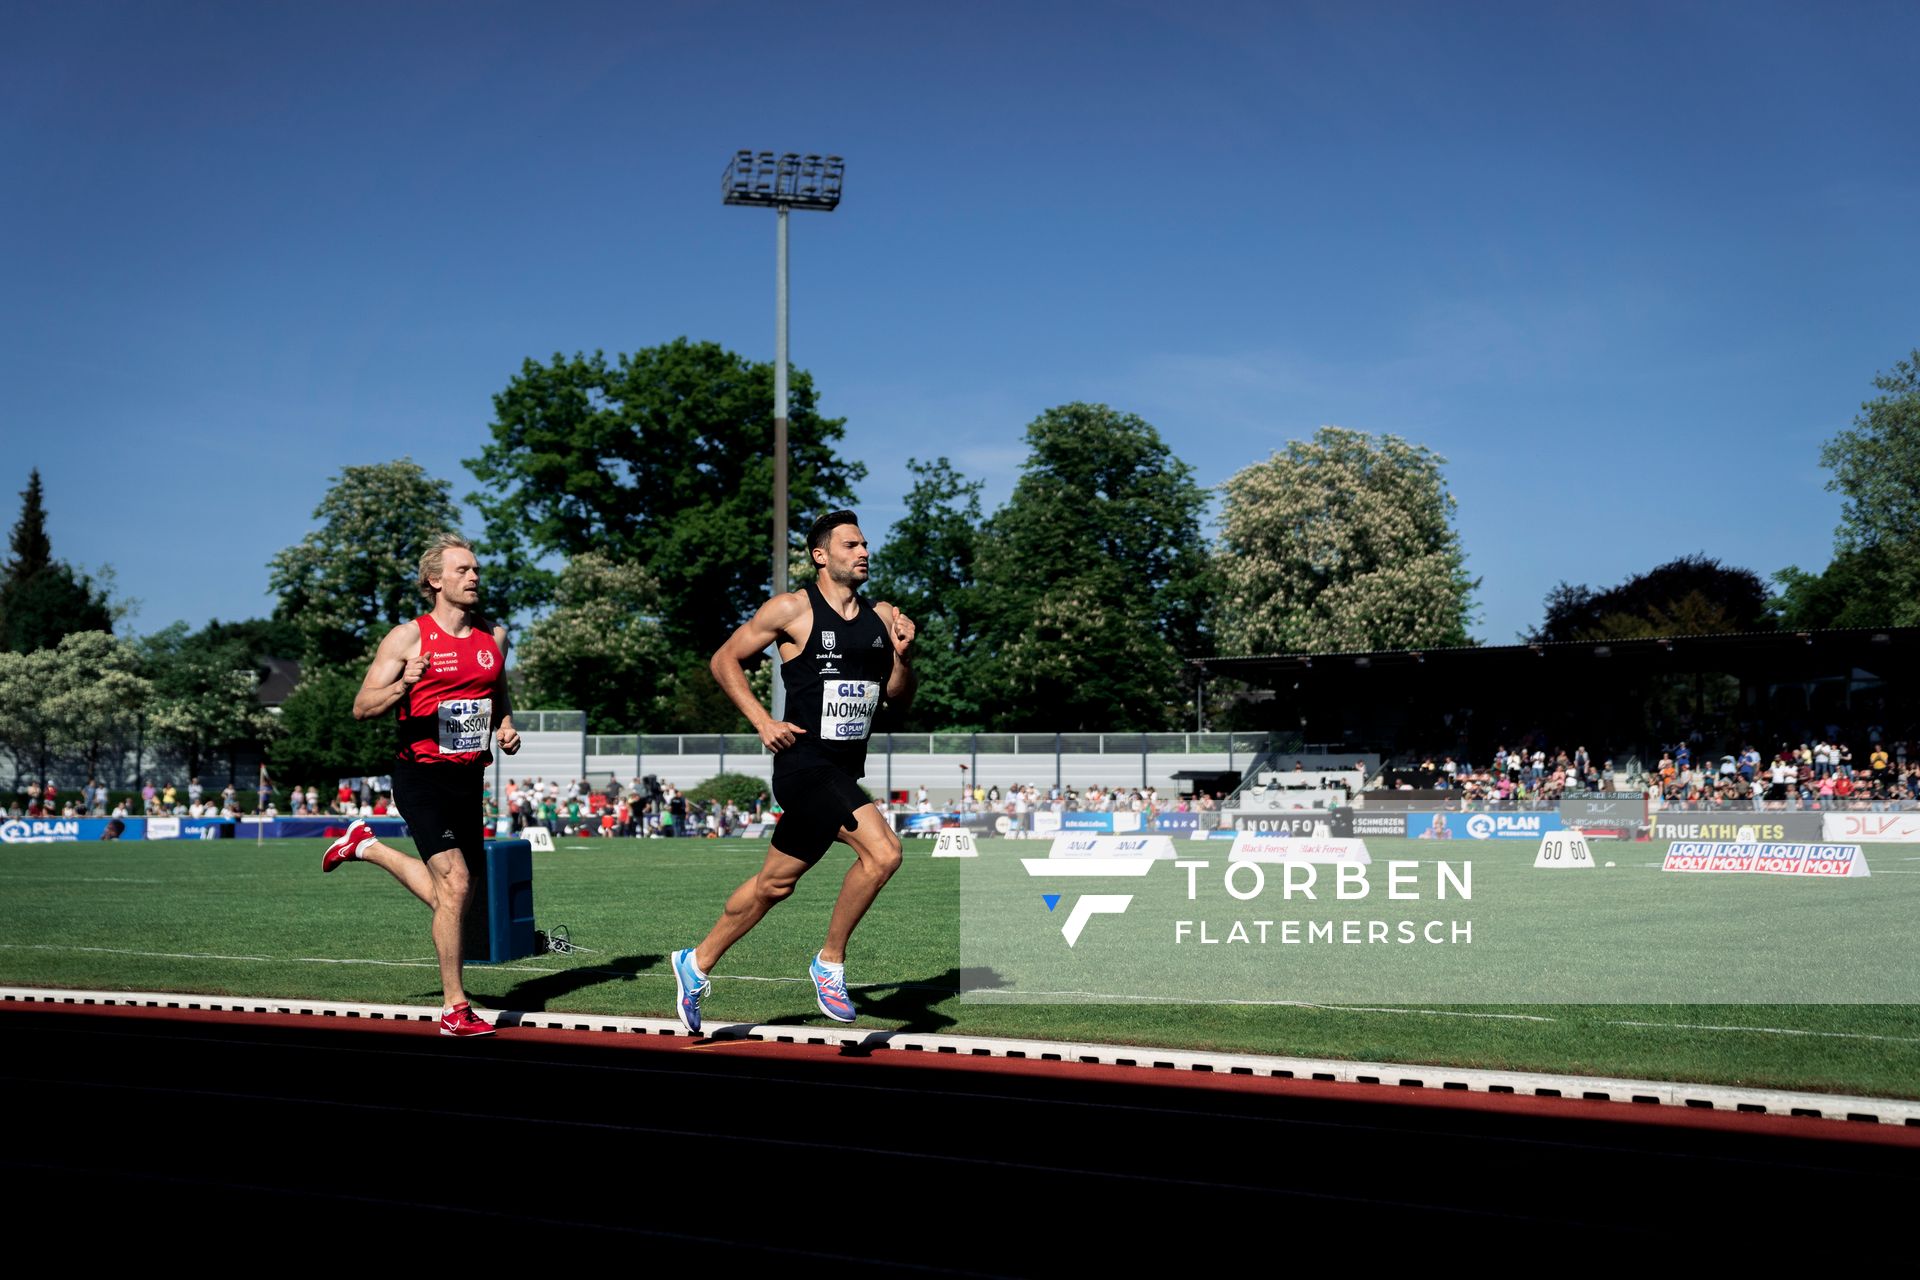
column 318, row 736
column 1874, row 578
column 346, row 583
column 602, row 649
column 42, row 599
column 925, row 566
column 206, row 690
column 1344, row 542
column 95, row 694
column 1103, row 524
column 1693, row 595
column 661, row 459
column 76, row 695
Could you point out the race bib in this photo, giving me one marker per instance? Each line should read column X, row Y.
column 464, row 724
column 846, row 709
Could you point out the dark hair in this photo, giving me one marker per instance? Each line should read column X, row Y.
column 825, row 525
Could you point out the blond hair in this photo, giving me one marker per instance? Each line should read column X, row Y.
column 433, row 561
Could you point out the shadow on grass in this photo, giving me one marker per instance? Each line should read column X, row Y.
column 914, row 1004
column 533, row 995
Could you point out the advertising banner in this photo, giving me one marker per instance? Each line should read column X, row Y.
column 1179, row 822
column 1086, row 821
column 1739, row 828
column 1884, row 828
column 63, row 830
column 1366, row 822
column 1824, row 861
column 1482, row 826
column 1607, row 810
column 1284, row 824
column 1250, row 846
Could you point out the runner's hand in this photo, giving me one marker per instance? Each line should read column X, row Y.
column 415, row 668
column 778, row 735
column 509, row 739
column 903, row 633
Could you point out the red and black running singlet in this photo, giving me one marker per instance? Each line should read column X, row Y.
column 447, row 716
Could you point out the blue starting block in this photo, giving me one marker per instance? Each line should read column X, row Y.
column 499, row 923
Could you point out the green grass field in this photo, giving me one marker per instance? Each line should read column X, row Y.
column 220, row 918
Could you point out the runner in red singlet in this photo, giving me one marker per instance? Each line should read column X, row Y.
column 444, row 675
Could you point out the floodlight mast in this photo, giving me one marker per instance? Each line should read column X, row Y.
column 791, row 181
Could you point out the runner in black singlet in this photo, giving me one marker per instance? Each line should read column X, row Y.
column 840, row 659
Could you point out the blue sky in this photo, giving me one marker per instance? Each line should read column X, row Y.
column 1624, row 265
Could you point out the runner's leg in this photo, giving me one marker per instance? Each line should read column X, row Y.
column 877, row 857
column 746, row 905
column 410, row 872
column 449, row 871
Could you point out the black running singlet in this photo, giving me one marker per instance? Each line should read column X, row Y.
column 834, row 687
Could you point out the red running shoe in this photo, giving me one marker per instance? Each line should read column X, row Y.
column 463, row 1021
column 347, row 846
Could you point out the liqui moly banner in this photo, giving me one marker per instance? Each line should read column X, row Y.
column 1879, row 828
column 1827, row 861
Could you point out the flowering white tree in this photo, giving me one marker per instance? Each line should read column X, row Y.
column 1341, row 543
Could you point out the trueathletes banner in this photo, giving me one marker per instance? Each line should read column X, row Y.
column 1823, row 860
column 1175, row 822
column 1739, row 828
column 1482, row 826
column 1888, row 828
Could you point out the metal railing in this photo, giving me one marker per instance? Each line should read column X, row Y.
column 960, row 744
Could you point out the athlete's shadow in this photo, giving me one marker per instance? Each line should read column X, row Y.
column 914, row 1004
column 532, row 995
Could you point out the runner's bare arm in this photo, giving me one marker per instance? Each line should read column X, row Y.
column 396, row 666
column 503, row 731
column 776, row 620
column 900, row 631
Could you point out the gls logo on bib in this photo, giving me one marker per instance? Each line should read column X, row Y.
column 846, row 709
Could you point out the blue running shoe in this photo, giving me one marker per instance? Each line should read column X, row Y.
column 690, row 990
column 830, row 991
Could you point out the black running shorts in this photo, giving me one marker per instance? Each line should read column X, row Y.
column 814, row 805
column 443, row 805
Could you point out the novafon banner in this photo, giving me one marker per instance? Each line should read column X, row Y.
column 1739, row 828
column 1482, row 826
column 1284, row 824
column 1822, row 860
column 1889, row 828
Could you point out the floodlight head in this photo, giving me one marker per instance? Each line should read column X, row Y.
column 790, row 180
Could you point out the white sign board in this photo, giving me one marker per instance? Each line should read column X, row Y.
column 955, row 842
column 1255, row 846
column 1879, row 828
column 1103, row 846
column 1563, row 849
column 163, row 828
column 1825, row 861
column 539, row 837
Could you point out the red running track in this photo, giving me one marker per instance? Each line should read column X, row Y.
column 264, row 1128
